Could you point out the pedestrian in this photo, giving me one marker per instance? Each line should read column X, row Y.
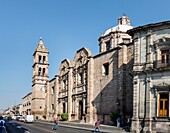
column 2, row 125
column 97, row 124
column 118, row 121
column 56, row 123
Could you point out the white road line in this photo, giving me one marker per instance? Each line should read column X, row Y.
column 26, row 132
column 19, row 126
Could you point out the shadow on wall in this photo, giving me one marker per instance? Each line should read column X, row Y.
column 117, row 95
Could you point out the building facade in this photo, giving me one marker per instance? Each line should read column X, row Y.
column 91, row 87
column 26, row 104
column 151, row 71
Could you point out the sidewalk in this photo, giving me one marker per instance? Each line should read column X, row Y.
column 86, row 126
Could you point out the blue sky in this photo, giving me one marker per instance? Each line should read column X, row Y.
column 65, row 26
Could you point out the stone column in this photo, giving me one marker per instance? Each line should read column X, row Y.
column 84, row 105
column 56, row 88
column 66, row 106
column 76, row 108
column 136, row 51
column 70, row 86
column 90, row 80
column 169, row 104
column 148, row 112
column 112, row 41
column 102, row 46
column 124, row 56
column 135, row 119
column 48, row 101
column 149, row 60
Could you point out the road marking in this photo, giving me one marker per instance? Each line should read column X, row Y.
column 26, row 132
column 19, row 127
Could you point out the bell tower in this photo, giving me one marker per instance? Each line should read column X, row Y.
column 39, row 79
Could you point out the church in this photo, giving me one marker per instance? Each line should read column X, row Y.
column 130, row 76
column 88, row 87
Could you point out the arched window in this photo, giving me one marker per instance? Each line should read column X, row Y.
column 40, row 59
column 43, row 72
column 44, row 58
column 39, row 71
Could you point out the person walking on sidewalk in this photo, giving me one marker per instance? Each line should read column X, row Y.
column 56, row 123
column 97, row 124
column 118, row 121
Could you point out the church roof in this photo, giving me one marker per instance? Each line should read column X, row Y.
column 120, row 28
column 41, row 47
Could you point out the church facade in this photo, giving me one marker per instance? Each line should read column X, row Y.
column 91, row 87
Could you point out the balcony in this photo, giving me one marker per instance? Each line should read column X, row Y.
column 159, row 64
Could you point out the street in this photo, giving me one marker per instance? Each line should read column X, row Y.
column 37, row 127
column 20, row 127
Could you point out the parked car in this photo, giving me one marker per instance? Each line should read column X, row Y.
column 22, row 119
column 18, row 117
column 14, row 117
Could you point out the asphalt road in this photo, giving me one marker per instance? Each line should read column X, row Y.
column 20, row 127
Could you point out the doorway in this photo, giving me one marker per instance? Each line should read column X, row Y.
column 80, row 113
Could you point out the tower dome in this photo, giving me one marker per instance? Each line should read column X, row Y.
column 116, row 35
column 123, row 26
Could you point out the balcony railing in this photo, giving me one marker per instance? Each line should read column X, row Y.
column 159, row 64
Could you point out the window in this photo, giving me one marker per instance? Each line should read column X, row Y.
column 165, row 56
column 39, row 71
column 52, row 106
column 43, row 72
column 40, row 59
column 108, row 46
column 64, row 108
column 43, row 59
column 163, row 107
column 105, row 69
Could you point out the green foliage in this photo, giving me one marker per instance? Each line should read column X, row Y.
column 64, row 117
column 113, row 116
column 44, row 116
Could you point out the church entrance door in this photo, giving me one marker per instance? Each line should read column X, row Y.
column 80, row 114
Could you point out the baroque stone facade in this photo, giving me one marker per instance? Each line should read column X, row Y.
column 151, row 70
column 91, row 87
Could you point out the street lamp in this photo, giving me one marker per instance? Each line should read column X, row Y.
column 117, row 101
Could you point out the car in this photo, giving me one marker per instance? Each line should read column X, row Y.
column 22, row 119
column 18, row 117
column 14, row 117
